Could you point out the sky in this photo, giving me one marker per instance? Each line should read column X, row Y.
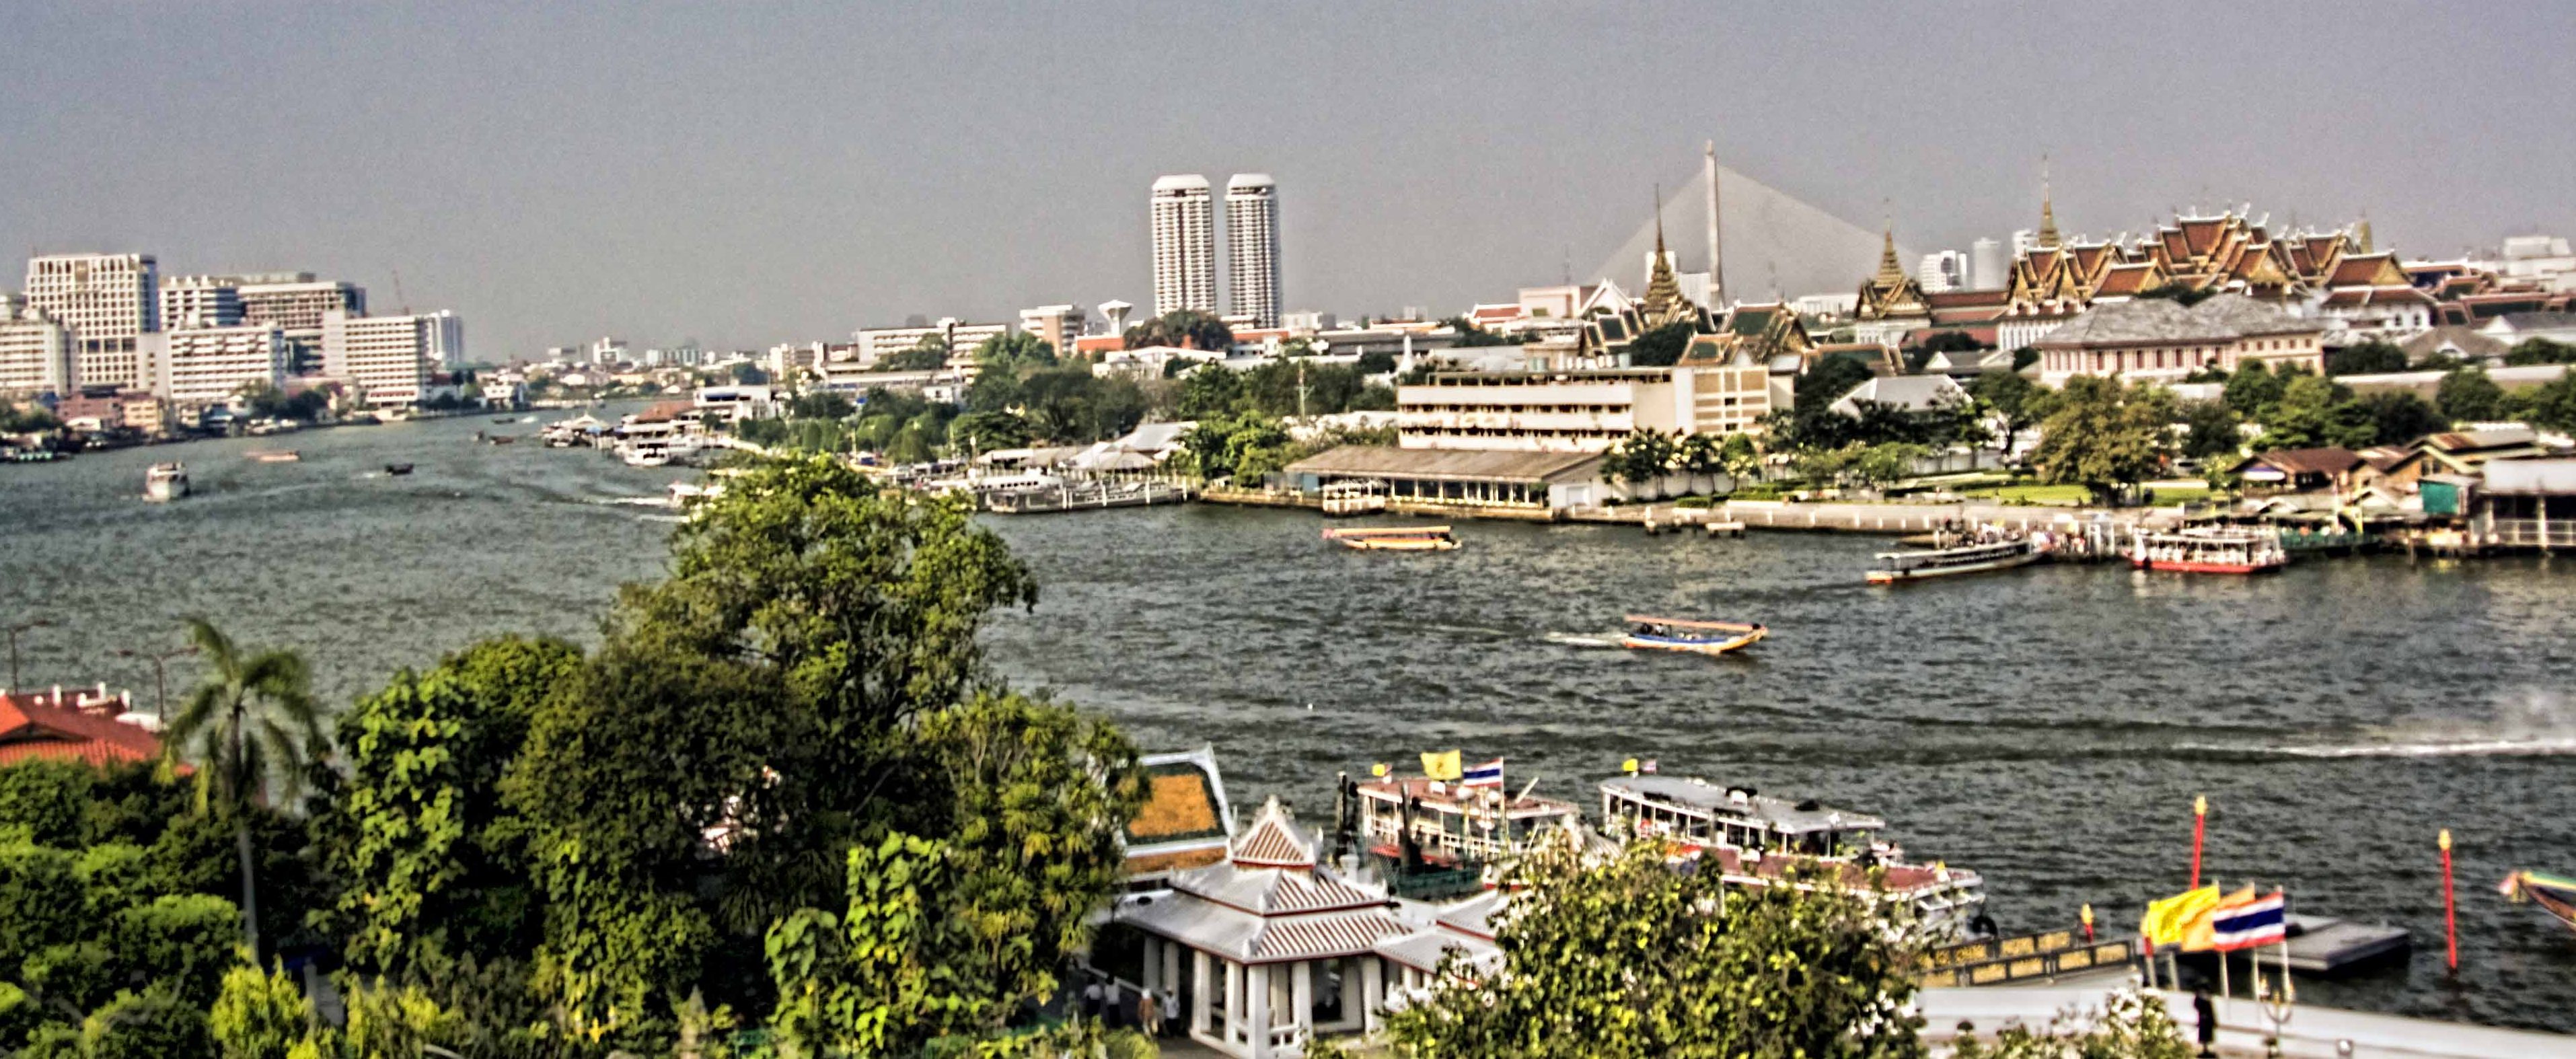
column 748, row 173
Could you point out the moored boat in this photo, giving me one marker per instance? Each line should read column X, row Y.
column 2555, row 894
column 165, row 482
column 1648, row 633
column 1757, row 841
column 1394, row 539
column 2208, row 551
column 1917, row 565
column 397, row 468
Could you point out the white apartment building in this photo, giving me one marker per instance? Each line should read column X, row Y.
column 201, row 301
column 1055, row 325
column 1252, row 245
column 1184, row 245
column 208, row 365
column 108, row 301
column 1581, row 410
column 35, row 354
column 445, row 333
column 878, row 343
column 1946, row 270
column 1986, row 264
column 385, row 357
column 295, row 301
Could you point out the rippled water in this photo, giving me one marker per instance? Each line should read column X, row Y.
column 2047, row 727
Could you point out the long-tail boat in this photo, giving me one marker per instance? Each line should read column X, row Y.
column 1648, row 633
column 1394, row 539
column 2555, row 894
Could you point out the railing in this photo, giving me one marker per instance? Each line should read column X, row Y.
column 2530, row 533
column 2019, row 958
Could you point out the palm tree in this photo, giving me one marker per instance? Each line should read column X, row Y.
column 251, row 716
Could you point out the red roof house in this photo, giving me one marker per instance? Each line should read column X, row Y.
column 74, row 726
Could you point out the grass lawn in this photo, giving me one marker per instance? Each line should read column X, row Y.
column 2178, row 494
column 2034, row 494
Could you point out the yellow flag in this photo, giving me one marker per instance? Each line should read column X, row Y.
column 1378, row 770
column 2168, row 920
column 1441, row 766
column 1629, row 766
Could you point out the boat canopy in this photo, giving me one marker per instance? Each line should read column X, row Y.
column 1679, row 623
column 1698, row 797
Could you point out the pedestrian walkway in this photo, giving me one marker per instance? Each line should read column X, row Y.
column 2311, row 1031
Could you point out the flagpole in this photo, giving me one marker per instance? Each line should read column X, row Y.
column 2450, row 917
column 2224, row 992
column 2199, row 825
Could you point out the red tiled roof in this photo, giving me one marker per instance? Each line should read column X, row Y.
column 2330, row 460
column 34, row 726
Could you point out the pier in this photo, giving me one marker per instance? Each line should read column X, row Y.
column 2243, row 1026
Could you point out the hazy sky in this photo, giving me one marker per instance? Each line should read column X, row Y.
column 746, row 173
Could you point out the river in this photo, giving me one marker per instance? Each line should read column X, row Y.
column 2047, row 727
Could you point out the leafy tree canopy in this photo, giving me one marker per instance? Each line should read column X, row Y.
column 2102, row 435
column 2366, row 358
column 1662, row 347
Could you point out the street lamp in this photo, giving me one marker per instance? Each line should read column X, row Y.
column 160, row 677
column 14, row 630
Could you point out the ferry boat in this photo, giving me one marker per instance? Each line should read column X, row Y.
column 2208, row 551
column 1648, row 633
column 1438, row 835
column 2554, row 894
column 1756, row 841
column 1395, row 539
column 165, row 482
column 276, row 456
column 1917, row 565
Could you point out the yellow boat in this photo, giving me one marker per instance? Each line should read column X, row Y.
column 1646, row 633
column 1395, row 539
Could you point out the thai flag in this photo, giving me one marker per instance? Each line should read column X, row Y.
column 1489, row 774
column 2262, row 921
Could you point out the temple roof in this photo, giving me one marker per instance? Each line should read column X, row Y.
column 2222, row 318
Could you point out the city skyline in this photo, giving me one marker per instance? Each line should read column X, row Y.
column 656, row 192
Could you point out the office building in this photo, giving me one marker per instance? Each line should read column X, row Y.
column 1582, row 410
column 444, row 332
column 1944, row 271
column 209, row 365
column 108, row 301
column 201, row 301
column 385, row 358
column 1986, row 269
column 35, row 354
column 1055, row 325
column 296, row 303
column 1184, row 245
column 961, row 338
column 1252, row 246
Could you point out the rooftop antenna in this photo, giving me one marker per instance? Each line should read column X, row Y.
column 399, row 296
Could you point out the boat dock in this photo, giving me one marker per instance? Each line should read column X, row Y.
column 2243, row 1027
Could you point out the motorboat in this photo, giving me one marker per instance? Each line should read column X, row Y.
column 1924, row 563
column 1395, row 539
column 2209, row 551
column 397, row 468
column 165, row 482
column 1648, row 633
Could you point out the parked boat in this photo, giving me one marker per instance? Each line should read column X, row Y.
column 2555, row 894
column 1433, row 837
column 2208, row 551
column 165, row 482
column 397, row 468
column 1354, row 498
column 1395, row 539
column 1894, row 567
column 1647, row 633
column 1077, row 496
column 276, row 456
column 1757, row 841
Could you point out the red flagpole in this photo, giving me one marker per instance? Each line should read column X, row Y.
column 2450, row 915
column 2199, row 826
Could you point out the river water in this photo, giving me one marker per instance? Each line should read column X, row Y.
column 2047, row 727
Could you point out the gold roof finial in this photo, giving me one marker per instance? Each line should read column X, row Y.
column 1889, row 270
column 2364, row 234
column 2047, row 207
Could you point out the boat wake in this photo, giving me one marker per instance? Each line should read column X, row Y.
column 2459, row 748
column 635, row 501
column 1568, row 639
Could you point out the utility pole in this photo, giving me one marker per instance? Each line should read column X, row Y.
column 1301, row 387
column 14, row 630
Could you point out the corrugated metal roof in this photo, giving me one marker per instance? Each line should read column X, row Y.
column 1462, row 465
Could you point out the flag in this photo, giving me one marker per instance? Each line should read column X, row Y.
column 1489, row 774
column 1440, row 766
column 1648, row 767
column 2167, row 920
column 2202, row 933
column 2262, row 921
column 1629, row 766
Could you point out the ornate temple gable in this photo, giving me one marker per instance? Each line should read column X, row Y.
column 1608, row 298
column 2366, row 270
column 1663, row 304
column 1890, row 293
column 2129, row 279
column 1766, row 331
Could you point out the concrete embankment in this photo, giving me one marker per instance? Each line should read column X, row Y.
column 1886, row 519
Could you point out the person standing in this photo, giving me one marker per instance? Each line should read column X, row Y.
column 2205, row 1013
column 1149, row 1015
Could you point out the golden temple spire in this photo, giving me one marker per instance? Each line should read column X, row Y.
column 2047, row 207
column 1889, row 270
column 2364, row 234
column 1663, row 303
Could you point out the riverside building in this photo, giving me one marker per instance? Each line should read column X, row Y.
column 1252, row 244
column 200, row 301
column 108, row 301
column 35, row 354
column 1184, row 245
column 385, row 357
column 1581, row 410
column 209, row 365
column 296, row 303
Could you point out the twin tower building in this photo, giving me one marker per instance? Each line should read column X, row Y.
column 1185, row 247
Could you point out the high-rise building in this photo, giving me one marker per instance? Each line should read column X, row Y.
column 444, row 332
column 1055, row 325
column 108, row 301
column 386, row 357
column 1945, row 270
column 296, row 303
column 1252, row 245
column 1986, row 264
column 205, row 365
column 35, row 353
column 200, row 301
column 1184, row 245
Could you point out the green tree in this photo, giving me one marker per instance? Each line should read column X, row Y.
column 2467, row 395
column 249, row 724
column 2008, row 395
column 2129, row 1026
column 2315, row 412
column 1242, row 446
column 2553, row 406
column 869, row 981
column 986, row 431
column 2104, row 436
column 1633, row 958
column 1662, row 347
column 2366, row 358
column 1699, row 454
column 1210, row 391
column 1826, row 383
column 2211, row 433
column 1375, row 362
column 1014, row 351
column 45, row 801
column 34, row 884
column 2540, row 351
column 2253, row 391
column 2399, row 417
column 1739, row 459
column 150, row 1025
column 258, row 1015
column 2179, row 294
column 821, row 404
column 179, row 942
column 1641, row 457
column 929, row 354
column 1182, row 327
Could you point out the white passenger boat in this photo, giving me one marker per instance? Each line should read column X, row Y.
column 1917, row 565
column 165, row 482
column 2209, row 551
